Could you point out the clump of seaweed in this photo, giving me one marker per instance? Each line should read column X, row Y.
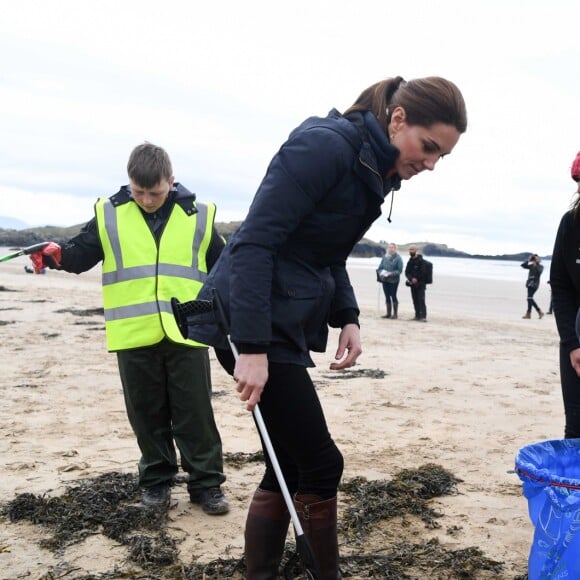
column 407, row 493
column 157, row 550
column 357, row 373
column 237, row 460
column 93, row 506
column 403, row 561
column 82, row 312
column 103, row 505
column 240, row 459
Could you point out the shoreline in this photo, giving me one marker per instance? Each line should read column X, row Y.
column 504, row 299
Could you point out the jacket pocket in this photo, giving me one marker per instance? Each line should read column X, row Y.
column 301, row 302
column 297, row 287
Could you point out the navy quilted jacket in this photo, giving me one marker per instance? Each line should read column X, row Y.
column 282, row 276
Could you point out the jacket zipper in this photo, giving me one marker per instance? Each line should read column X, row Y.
column 369, row 167
column 391, row 191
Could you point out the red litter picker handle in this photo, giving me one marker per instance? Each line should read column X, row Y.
column 25, row 251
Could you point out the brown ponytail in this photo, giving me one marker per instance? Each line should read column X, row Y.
column 426, row 101
column 376, row 99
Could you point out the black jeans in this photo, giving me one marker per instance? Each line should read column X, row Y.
column 309, row 459
column 571, row 395
column 167, row 390
column 390, row 290
column 531, row 301
column 418, row 296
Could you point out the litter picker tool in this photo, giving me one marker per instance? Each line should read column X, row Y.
column 25, row 251
column 184, row 312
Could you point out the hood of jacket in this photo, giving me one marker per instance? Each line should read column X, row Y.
column 376, row 151
column 376, row 155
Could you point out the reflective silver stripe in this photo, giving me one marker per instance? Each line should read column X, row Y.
column 137, row 310
column 181, row 271
column 201, row 219
column 134, row 273
column 122, row 274
column 140, row 272
column 112, row 228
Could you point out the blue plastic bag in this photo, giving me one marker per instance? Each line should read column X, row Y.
column 550, row 472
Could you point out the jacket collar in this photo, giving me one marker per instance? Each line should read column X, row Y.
column 185, row 199
column 386, row 154
column 376, row 153
column 179, row 195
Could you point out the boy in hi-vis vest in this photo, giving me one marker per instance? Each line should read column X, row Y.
column 155, row 242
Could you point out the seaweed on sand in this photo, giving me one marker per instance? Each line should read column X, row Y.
column 105, row 505
column 97, row 505
column 407, row 493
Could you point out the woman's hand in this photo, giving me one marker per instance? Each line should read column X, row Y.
column 349, row 348
column 251, row 374
column 575, row 360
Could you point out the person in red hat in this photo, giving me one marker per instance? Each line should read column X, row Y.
column 565, row 284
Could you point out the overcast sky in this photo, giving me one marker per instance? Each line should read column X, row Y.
column 221, row 84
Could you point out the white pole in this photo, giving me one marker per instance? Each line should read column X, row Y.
column 274, row 460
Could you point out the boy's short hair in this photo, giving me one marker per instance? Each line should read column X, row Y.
column 148, row 165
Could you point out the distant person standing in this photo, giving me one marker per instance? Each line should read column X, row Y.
column 389, row 274
column 565, row 284
column 415, row 274
column 535, row 269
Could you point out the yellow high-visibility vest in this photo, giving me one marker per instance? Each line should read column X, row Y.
column 140, row 277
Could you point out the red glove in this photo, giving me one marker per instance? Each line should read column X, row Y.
column 49, row 256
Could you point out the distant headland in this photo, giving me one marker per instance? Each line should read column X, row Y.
column 364, row 249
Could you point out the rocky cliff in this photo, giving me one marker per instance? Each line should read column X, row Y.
column 364, row 249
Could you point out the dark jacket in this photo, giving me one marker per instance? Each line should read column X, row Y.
column 84, row 251
column 535, row 271
column 282, row 276
column 565, row 280
column 414, row 269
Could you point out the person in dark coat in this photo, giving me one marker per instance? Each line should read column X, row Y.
column 535, row 269
column 283, row 281
column 565, row 285
column 415, row 274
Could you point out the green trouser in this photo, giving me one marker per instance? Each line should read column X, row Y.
column 167, row 390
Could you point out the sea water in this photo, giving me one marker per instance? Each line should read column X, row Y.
column 508, row 270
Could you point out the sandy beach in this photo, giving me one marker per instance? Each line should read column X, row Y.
column 464, row 391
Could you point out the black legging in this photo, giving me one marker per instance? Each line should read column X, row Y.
column 310, row 460
column 571, row 395
column 531, row 301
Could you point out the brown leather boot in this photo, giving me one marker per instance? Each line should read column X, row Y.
column 527, row 315
column 540, row 314
column 318, row 519
column 265, row 535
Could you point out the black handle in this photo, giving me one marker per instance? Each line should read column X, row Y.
column 183, row 311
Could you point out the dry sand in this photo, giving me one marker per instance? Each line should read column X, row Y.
column 465, row 391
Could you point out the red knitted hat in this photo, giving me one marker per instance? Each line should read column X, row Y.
column 576, row 167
